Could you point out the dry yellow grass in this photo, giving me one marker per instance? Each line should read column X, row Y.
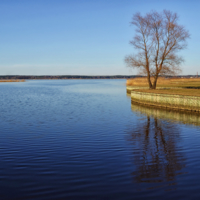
column 185, row 92
column 166, row 82
column 12, row 80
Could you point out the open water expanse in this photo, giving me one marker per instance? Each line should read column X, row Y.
column 82, row 139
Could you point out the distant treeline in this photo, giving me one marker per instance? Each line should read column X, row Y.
column 66, row 77
column 78, row 77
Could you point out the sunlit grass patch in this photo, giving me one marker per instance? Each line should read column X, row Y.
column 166, row 82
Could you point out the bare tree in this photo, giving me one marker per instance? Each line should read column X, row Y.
column 158, row 38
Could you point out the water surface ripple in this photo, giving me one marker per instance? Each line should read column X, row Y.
column 82, row 139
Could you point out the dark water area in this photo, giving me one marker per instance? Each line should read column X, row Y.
column 83, row 139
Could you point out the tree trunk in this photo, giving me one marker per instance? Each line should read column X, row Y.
column 155, row 81
column 149, row 81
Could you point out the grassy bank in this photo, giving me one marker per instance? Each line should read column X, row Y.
column 174, row 93
column 166, row 82
column 169, row 101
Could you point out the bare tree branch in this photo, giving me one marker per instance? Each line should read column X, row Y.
column 158, row 39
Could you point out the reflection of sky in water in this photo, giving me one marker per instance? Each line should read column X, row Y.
column 109, row 87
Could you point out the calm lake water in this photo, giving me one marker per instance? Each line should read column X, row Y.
column 82, row 139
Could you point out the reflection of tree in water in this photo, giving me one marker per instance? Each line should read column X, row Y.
column 156, row 155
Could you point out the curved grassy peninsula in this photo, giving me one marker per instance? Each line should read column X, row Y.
column 174, row 95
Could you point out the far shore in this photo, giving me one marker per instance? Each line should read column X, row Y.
column 13, row 80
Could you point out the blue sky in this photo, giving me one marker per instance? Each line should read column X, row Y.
column 82, row 37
